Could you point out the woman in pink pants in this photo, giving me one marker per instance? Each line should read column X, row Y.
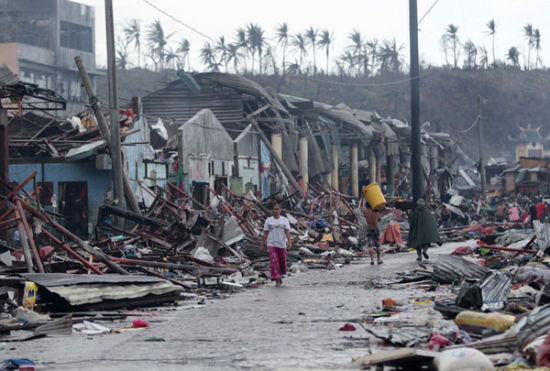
column 277, row 239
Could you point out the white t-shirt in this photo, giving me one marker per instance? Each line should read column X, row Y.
column 276, row 229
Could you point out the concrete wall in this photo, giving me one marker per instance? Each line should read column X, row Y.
column 249, row 171
column 98, row 180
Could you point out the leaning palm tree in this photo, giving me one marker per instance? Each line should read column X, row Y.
column 359, row 49
column 451, row 34
column 282, row 38
column 256, row 42
column 222, row 48
column 311, row 35
column 157, row 41
column 491, row 32
column 183, row 50
column 536, row 45
column 171, row 55
column 234, row 55
column 528, row 33
column 392, row 54
column 326, row 41
column 299, row 43
column 208, row 57
column 241, row 43
column 372, row 44
column 513, row 56
column 132, row 32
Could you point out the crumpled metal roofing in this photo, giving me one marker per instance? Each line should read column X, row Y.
column 495, row 288
column 536, row 324
column 451, row 268
column 62, row 279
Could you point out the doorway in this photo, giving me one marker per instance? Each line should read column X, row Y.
column 73, row 198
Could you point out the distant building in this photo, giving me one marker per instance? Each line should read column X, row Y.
column 39, row 40
column 530, row 143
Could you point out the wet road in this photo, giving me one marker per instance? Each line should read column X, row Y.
column 266, row 328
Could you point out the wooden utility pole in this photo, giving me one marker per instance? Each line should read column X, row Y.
column 118, row 190
column 4, row 151
column 94, row 103
column 481, row 144
column 415, row 103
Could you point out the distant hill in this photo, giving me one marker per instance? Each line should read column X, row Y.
column 449, row 98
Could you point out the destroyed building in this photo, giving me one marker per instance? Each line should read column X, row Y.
column 39, row 40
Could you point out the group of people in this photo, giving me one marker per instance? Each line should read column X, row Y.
column 422, row 233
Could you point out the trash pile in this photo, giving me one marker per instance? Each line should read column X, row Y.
column 176, row 248
column 485, row 305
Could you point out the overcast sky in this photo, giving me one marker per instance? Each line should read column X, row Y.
column 384, row 19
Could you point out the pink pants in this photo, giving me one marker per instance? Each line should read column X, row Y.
column 277, row 257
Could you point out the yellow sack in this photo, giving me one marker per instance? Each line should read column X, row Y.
column 29, row 295
column 497, row 321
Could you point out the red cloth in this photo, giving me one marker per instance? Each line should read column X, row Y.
column 543, row 356
column 392, row 234
column 347, row 327
column 463, row 250
column 439, row 341
column 541, row 208
column 277, row 258
column 140, row 323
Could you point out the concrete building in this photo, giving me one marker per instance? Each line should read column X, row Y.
column 39, row 40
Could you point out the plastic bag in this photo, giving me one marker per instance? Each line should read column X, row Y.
column 463, row 359
column 496, row 321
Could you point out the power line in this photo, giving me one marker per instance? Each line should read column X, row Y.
column 428, row 12
column 470, row 128
column 389, row 83
column 177, row 20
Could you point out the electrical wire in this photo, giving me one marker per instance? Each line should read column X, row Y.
column 177, row 20
column 470, row 128
column 428, row 12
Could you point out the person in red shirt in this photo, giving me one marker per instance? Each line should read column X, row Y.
column 541, row 210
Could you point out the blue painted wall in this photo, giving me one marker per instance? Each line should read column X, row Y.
column 98, row 180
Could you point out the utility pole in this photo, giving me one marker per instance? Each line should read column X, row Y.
column 116, row 157
column 4, row 151
column 415, row 103
column 481, row 144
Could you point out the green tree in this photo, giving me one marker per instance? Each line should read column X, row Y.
column 372, row 45
column 241, row 43
column 132, row 32
column 359, row 50
column 391, row 55
column 122, row 53
column 283, row 39
column 483, row 57
column 326, row 40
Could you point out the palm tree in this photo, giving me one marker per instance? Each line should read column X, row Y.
column 311, row 35
column 256, row 42
column 483, row 57
column 471, row 55
column 234, row 55
column 391, row 55
column 372, row 44
column 157, row 41
column 513, row 56
column 536, row 44
column 491, row 32
column 299, row 43
column 132, row 32
column 122, row 53
column 171, row 56
column 208, row 57
column 241, row 43
column 359, row 49
column 221, row 47
column 348, row 58
column 282, row 39
column 326, row 41
column 183, row 49
column 451, row 34
column 528, row 32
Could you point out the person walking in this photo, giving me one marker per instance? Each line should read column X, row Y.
column 423, row 230
column 277, row 239
column 373, row 234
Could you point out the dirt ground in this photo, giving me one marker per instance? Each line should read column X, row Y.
column 266, row 328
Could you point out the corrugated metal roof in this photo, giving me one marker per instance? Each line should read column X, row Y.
column 63, row 279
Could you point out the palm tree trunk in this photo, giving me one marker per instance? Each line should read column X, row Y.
column 139, row 55
column 529, row 59
column 253, row 53
column 314, row 61
column 494, row 59
column 284, row 59
column 328, row 51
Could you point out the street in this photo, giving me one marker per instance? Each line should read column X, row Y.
column 266, row 328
